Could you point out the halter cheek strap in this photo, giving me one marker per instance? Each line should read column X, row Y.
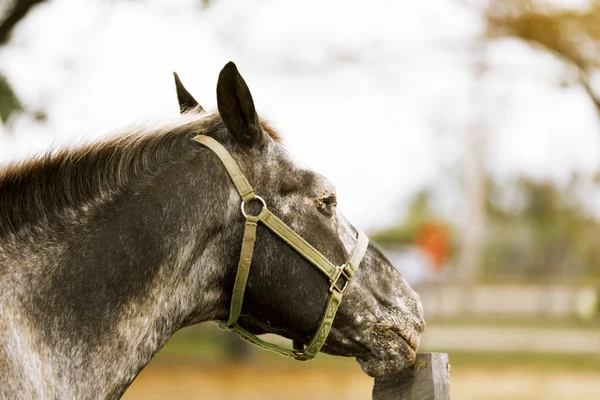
column 339, row 276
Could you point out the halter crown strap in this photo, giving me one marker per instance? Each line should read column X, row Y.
column 237, row 177
column 339, row 277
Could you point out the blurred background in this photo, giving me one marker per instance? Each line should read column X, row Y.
column 463, row 136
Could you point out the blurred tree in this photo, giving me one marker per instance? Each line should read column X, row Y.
column 9, row 103
column 543, row 231
column 571, row 35
column 474, row 227
column 420, row 227
column 11, row 14
column 536, row 229
column 552, row 234
column 405, row 232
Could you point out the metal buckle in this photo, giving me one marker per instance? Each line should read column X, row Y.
column 341, row 270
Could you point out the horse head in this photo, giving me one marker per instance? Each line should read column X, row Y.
column 380, row 317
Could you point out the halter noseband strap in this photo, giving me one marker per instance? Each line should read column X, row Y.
column 339, row 277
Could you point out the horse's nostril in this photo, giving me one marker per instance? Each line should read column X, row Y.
column 420, row 325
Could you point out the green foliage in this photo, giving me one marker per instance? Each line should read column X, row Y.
column 534, row 229
column 9, row 103
column 10, row 17
column 418, row 213
column 548, row 233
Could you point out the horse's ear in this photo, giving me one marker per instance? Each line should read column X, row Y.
column 236, row 107
column 186, row 100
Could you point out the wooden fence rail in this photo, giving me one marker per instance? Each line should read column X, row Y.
column 428, row 379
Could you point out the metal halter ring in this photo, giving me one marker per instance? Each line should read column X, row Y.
column 255, row 198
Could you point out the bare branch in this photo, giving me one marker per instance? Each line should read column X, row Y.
column 585, row 82
column 16, row 13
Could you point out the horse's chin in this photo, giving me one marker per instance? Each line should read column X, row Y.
column 388, row 365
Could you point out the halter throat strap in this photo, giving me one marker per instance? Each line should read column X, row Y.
column 339, row 276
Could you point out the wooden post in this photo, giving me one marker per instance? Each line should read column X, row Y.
column 428, row 379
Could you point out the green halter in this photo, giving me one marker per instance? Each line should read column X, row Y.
column 339, row 277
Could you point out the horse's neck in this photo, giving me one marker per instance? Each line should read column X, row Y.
column 98, row 298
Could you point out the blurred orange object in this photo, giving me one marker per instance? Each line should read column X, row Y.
column 433, row 239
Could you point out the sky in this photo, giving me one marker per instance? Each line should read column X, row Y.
column 377, row 95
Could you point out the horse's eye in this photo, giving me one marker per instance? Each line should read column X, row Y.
column 330, row 201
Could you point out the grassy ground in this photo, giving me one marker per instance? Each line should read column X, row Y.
column 178, row 381
column 206, row 345
column 194, row 364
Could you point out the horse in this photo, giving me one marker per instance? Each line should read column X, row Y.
column 108, row 248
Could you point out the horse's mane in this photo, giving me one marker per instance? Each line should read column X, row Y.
column 41, row 187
